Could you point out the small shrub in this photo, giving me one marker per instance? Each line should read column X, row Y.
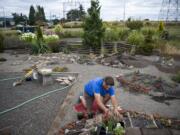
column 39, row 34
column 75, row 24
column 111, row 35
column 60, row 69
column 164, row 35
column 123, row 33
column 10, row 33
column 72, row 34
column 54, row 46
column 50, row 38
column 161, row 27
column 39, row 46
column 28, row 37
column 1, row 42
column 135, row 38
column 176, row 77
column 58, row 29
column 148, row 34
column 134, row 25
column 145, row 49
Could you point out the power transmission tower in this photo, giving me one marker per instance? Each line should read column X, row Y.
column 170, row 10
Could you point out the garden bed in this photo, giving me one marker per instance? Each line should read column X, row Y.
column 130, row 119
column 148, row 84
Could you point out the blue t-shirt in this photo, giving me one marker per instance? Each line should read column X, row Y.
column 96, row 86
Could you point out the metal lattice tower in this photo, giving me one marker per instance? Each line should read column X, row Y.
column 170, row 10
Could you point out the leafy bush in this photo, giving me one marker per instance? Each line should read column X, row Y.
column 54, row 46
column 50, row 38
column 10, row 32
column 75, row 24
column 134, row 25
column 164, row 35
column 148, row 34
column 13, row 42
column 145, row 49
column 123, row 33
column 135, row 38
column 176, row 78
column 58, row 29
column 28, row 37
column 1, row 42
column 161, row 26
column 72, row 34
column 39, row 47
column 111, row 35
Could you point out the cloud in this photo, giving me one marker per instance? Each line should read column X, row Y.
column 110, row 9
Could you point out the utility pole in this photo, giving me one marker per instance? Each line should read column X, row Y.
column 124, row 16
column 4, row 16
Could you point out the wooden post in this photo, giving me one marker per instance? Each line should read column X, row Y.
column 115, row 47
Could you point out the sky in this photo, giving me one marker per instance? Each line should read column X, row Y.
column 110, row 9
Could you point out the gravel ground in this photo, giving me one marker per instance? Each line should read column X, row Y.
column 34, row 118
column 51, row 104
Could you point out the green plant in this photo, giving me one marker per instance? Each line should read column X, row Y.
column 1, row 42
column 28, row 37
column 148, row 34
column 161, row 26
column 145, row 49
column 39, row 46
column 119, row 130
column 93, row 27
column 72, row 33
column 73, row 24
column 135, row 38
column 176, row 77
column 134, row 24
column 54, row 46
column 111, row 35
column 123, row 33
column 58, row 29
column 50, row 38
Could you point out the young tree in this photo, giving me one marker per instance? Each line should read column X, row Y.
column 32, row 15
column 93, row 27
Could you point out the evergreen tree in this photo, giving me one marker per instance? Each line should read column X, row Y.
column 19, row 18
column 32, row 15
column 93, row 27
column 43, row 14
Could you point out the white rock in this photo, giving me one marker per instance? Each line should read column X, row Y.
column 67, row 82
column 131, row 67
column 70, row 78
column 66, row 131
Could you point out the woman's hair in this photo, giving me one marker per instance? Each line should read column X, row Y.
column 109, row 80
